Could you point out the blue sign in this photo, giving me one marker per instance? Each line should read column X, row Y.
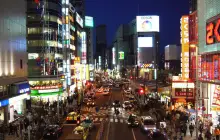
column 4, row 102
column 23, row 88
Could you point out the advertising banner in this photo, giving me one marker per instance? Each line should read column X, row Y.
column 79, row 20
column 113, row 56
column 185, row 46
column 147, row 23
column 89, row 21
column 121, row 55
column 216, row 96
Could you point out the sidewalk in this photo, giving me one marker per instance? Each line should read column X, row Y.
column 187, row 137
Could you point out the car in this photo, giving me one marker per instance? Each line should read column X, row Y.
column 148, row 124
column 79, row 133
column 116, row 104
column 99, row 90
column 90, row 103
column 52, row 132
column 127, row 105
column 87, row 123
column 127, row 91
column 133, row 120
column 72, row 117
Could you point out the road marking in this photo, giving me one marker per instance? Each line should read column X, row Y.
column 121, row 120
column 111, row 120
column 116, row 120
column 101, row 119
column 106, row 138
column 133, row 134
column 96, row 119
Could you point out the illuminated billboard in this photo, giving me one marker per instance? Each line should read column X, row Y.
column 147, row 23
column 79, row 20
column 185, row 46
column 83, row 58
column 89, row 21
column 113, row 56
column 145, row 42
column 121, row 55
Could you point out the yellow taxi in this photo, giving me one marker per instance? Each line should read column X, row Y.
column 72, row 117
column 81, row 132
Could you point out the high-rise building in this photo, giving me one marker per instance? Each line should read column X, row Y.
column 79, row 5
column 101, row 45
column 192, row 6
column 209, row 59
column 45, row 49
column 172, row 58
column 14, row 84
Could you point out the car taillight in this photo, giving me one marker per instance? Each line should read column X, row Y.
column 67, row 118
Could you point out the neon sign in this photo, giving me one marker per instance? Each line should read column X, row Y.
column 212, row 32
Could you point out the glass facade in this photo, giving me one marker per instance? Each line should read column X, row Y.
column 44, row 36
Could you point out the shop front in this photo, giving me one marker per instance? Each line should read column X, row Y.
column 46, row 95
column 182, row 95
column 165, row 93
column 17, row 106
column 3, row 110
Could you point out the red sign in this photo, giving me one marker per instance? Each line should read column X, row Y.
column 212, row 32
column 183, row 94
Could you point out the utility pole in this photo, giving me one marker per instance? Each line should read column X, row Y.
column 197, row 92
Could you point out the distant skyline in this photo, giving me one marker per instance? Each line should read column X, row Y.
column 116, row 12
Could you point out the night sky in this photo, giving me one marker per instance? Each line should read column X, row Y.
column 116, row 12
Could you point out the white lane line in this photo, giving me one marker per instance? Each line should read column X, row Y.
column 101, row 119
column 121, row 120
column 96, row 119
column 133, row 134
column 116, row 120
column 111, row 120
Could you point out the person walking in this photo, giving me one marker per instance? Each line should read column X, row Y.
column 10, row 129
column 191, row 129
column 184, row 128
column 200, row 137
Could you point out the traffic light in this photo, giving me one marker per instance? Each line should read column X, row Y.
column 141, row 91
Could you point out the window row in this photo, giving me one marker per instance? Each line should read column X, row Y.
column 51, row 18
column 44, row 43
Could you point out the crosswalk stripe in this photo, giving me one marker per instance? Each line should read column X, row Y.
column 111, row 120
column 116, row 120
column 101, row 119
column 121, row 121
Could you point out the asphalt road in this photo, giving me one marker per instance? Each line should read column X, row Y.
column 115, row 127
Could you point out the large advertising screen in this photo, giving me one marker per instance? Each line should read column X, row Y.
column 89, row 21
column 147, row 23
column 145, row 42
column 83, row 58
column 79, row 20
column 121, row 56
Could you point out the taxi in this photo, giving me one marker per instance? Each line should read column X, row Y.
column 72, row 117
column 81, row 131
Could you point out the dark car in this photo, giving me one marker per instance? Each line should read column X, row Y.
column 52, row 132
column 116, row 104
column 90, row 103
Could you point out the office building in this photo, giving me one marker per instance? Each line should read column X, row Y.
column 14, row 86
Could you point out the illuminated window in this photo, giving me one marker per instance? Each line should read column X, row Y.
column 42, row 43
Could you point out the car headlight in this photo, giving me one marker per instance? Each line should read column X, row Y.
column 129, row 123
column 145, row 128
column 93, row 103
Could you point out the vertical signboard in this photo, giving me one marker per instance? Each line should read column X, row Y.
column 113, row 56
column 185, row 46
column 83, row 48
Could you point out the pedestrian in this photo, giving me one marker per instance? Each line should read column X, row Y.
column 208, row 135
column 200, row 137
column 10, row 129
column 15, row 127
column 184, row 128
column 191, row 129
column 21, row 127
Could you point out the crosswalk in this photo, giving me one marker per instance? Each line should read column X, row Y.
column 111, row 120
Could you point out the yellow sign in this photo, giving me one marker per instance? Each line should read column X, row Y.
column 77, row 60
column 185, row 47
column 184, row 30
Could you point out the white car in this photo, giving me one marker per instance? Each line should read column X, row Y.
column 148, row 123
column 127, row 105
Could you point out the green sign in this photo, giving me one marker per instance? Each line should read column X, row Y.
column 89, row 21
column 73, row 28
column 46, row 92
column 121, row 55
